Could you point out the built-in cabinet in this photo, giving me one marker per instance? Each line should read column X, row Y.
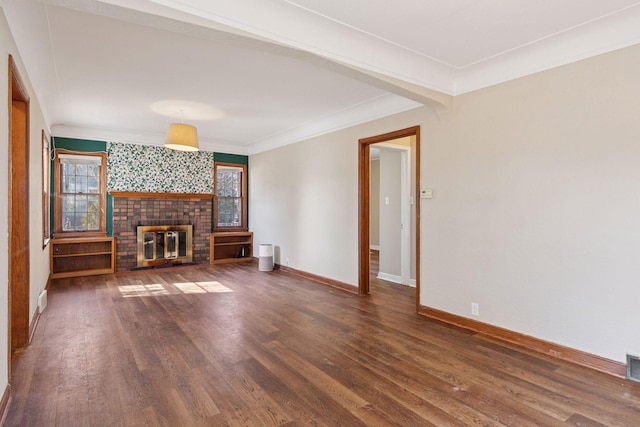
column 232, row 246
column 86, row 256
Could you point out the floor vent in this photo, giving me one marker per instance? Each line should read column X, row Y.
column 633, row 368
column 42, row 301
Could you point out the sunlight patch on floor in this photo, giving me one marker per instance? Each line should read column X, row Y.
column 202, row 287
column 152, row 290
column 157, row 289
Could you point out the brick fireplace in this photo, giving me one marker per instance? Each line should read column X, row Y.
column 133, row 209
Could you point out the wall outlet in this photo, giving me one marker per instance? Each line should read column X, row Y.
column 475, row 309
column 286, row 261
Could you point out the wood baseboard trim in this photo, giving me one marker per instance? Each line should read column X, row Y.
column 320, row 279
column 568, row 354
column 5, row 403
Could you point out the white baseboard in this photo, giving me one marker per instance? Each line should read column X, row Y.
column 390, row 277
column 396, row 279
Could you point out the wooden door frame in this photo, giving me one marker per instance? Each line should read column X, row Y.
column 18, row 212
column 364, row 181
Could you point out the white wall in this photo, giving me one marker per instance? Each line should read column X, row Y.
column 39, row 270
column 374, row 201
column 390, row 214
column 535, row 214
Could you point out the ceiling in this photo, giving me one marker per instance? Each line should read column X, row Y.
column 257, row 74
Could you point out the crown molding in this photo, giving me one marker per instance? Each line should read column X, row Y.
column 376, row 108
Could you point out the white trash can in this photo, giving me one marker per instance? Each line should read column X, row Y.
column 265, row 257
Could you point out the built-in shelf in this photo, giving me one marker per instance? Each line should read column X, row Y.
column 236, row 246
column 82, row 256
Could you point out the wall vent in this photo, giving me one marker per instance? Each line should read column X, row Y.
column 42, row 301
column 633, row 368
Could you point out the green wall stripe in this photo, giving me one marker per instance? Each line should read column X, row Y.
column 231, row 158
column 79, row 144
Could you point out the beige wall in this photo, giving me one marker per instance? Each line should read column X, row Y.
column 374, row 229
column 390, row 214
column 535, row 209
column 410, row 143
column 303, row 200
column 6, row 47
column 39, row 258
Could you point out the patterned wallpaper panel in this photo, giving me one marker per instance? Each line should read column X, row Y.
column 144, row 168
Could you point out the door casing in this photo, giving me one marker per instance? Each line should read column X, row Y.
column 18, row 212
column 364, row 181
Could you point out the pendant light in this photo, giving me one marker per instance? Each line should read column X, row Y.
column 182, row 137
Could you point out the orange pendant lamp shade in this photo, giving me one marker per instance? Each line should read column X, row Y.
column 182, row 137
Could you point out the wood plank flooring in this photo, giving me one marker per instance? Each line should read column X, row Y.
column 227, row 345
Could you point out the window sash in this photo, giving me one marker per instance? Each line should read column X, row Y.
column 80, row 202
column 230, row 201
column 230, row 212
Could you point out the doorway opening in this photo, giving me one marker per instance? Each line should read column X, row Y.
column 18, row 205
column 392, row 216
column 364, row 202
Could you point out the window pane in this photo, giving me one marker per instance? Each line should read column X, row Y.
column 69, row 169
column 81, row 187
column 93, row 204
column 93, row 170
column 68, row 222
column 81, row 184
column 69, row 184
column 68, row 203
column 93, row 185
column 81, row 221
column 81, row 203
column 228, row 183
column 93, row 222
column 229, row 212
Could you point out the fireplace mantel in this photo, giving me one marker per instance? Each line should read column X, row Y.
column 145, row 195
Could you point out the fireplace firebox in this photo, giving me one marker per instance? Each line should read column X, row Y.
column 164, row 244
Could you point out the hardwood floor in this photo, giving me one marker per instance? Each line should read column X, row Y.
column 228, row 345
column 374, row 263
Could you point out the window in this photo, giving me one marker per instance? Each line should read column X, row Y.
column 230, row 197
column 80, row 202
